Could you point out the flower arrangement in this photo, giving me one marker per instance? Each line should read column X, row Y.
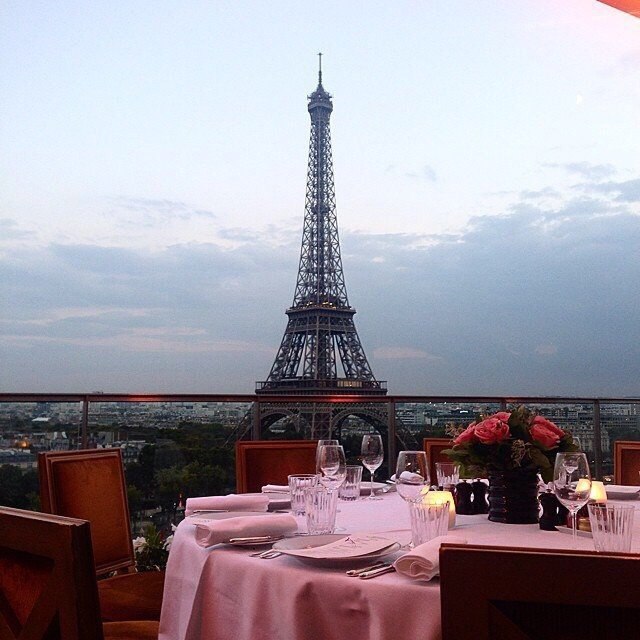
column 509, row 440
column 152, row 550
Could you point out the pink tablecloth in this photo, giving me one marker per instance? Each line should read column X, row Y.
column 221, row 593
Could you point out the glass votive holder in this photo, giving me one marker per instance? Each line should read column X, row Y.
column 428, row 521
column 448, row 474
column 320, row 508
column 350, row 488
column 298, row 483
column 611, row 526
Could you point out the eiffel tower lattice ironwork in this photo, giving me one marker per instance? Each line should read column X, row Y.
column 320, row 351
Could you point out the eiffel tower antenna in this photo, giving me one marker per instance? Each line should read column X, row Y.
column 320, row 351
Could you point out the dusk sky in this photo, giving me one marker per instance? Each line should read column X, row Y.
column 152, row 180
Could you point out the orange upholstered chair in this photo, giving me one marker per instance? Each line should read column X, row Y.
column 626, row 462
column 48, row 587
column 538, row 594
column 90, row 485
column 260, row 462
column 434, row 448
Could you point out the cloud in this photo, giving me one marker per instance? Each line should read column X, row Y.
column 146, row 212
column 585, row 170
column 485, row 310
column 10, row 230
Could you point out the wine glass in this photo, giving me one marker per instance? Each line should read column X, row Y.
column 372, row 456
column 412, row 474
column 331, row 466
column 322, row 443
column 572, row 485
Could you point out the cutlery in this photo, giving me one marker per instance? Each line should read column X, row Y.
column 374, row 573
column 255, row 539
column 356, row 572
column 266, row 555
column 209, row 511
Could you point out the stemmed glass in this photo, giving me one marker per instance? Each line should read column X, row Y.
column 323, row 443
column 412, row 474
column 372, row 453
column 331, row 466
column 572, row 485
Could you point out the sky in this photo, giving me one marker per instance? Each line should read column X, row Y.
column 152, row 181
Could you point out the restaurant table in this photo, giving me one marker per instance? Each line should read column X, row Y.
column 222, row 593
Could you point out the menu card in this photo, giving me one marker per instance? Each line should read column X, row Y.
column 348, row 547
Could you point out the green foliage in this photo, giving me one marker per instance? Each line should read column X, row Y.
column 151, row 550
column 18, row 487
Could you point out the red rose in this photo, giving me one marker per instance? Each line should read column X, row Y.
column 492, row 430
column 502, row 415
column 467, row 435
column 545, row 432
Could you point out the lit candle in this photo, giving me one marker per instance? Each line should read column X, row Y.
column 583, row 485
column 598, row 492
column 441, row 497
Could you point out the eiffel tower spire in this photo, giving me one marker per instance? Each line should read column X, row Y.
column 320, row 350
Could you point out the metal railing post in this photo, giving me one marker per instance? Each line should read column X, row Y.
column 391, row 436
column 597, row 439
column 255, row 421
column 84, row 424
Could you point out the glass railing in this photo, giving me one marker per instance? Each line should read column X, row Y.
column 180, row 445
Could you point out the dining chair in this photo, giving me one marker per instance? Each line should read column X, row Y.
column 501, row 593
column 626, row 462
column 48, row 588
column 261, row 462
column 434, row 448
column 89, row 484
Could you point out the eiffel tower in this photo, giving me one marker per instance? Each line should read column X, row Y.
column 320, row 351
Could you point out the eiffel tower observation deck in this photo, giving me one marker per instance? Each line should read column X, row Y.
column 320, row 351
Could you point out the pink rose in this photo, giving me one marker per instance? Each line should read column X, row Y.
column 492, row 430
column 502, row 415
column 545, row 432
column 467, row 435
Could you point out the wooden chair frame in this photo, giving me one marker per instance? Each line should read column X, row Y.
column 270, row 448
column 433, row 448
column 59, row 549
column 499, row 593
column 59, row 467
column 620, row 448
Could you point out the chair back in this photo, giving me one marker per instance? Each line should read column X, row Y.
column 260, row 462
column 499, row 593
column 90, row 484
column 434, row 448
column 47, row 585
column 626, row 462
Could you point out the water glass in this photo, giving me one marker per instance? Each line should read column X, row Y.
column 412, row 474
column 350, row 488
column 320, row 507
column 611, row 526
column 428, row 521
column 298, row 483
column 448, row 474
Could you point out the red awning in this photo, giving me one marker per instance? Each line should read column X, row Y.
column 630, row 6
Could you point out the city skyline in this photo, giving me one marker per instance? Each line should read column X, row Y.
column 488, row 196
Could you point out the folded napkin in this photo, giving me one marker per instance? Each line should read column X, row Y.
column 232, row 502
column 423, row 562
column 275, row 488
column 210, row 532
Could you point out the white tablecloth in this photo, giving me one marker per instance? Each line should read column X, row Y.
column 221, row 593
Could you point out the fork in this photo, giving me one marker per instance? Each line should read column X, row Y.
column 266, row 555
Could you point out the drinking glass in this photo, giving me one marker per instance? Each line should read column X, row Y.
column 331, row 466
column 323, row 443
column 372, row 456
column 350, row 488
column 320, row 508
column 572, row 485
column 428, row 521
column 448, row 474
column 612, row 526
column 297, row 484
column 412, row 474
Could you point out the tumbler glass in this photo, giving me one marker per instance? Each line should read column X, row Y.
column 350, row 488
column 297, row 485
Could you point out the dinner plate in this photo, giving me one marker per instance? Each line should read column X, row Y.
column 277, row 499
column 311, row 542
column 365, row 487
column 622, row 492
column 224, row 515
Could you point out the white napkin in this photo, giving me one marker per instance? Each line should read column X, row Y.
column 210, row 532
column 423, row 562
column 275, row 488
column 232, row 502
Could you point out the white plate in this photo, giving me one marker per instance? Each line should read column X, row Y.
column 365, row 487
column 569, row 530
column 622, row 492
column 277, row 499
column 310, row 542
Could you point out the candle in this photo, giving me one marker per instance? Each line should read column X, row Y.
column 441, row 497
column 598, row 492
column 583, row 485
